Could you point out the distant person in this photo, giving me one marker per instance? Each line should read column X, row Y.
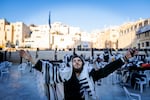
column 1, row 57
column 37, row 55
column 78, row 80
column 106, row 55
column 98, row 64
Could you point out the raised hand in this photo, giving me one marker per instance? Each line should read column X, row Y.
column 25, row 54
column 130, row 53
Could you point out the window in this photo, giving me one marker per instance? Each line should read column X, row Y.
column 17, row 35
column 138, row 45
column 124, row 31
column 138, row 36
column 113, row 35
column 61, row 39
column 131, row 28
column 147, row 44
column 127, row 30
column 147, row 34
column 145, row 22
column 140, row 25
column 36, row 30
column 135, row 27
column 38, row 36
column 142, row 44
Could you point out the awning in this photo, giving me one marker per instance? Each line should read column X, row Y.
column 143, row 29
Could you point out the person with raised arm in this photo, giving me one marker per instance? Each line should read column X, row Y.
column 78, row 79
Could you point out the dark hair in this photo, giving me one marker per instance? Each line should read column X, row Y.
column 80, row 69
column 77, row 56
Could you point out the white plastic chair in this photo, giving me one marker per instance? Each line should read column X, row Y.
column 147, row 73
column 4, row 68
column 4, row 71
column 140, row 83
column 131, row 96
column 22, row 67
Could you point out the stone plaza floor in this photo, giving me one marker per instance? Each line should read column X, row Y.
column 22, row 86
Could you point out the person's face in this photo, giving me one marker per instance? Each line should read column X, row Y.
column 77, row 64
column 99, row 60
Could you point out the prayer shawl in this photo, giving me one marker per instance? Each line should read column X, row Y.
column 53, row 77
column 87, row 85
column 101, row 64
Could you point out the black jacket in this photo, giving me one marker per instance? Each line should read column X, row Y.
column 72, row 86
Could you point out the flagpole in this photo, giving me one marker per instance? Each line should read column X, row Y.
column 49, row 27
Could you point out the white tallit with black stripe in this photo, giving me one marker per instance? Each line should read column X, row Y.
column 87, row 85
column 53, row 77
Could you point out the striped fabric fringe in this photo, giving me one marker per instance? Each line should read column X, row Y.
column 53, row 75
column 87, row 85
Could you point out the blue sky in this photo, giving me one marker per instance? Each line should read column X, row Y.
column 86, row 14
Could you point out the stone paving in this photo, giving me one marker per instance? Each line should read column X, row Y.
column 22, row 86
column 17, row 86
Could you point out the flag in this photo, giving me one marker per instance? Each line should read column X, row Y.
column 49, row 21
